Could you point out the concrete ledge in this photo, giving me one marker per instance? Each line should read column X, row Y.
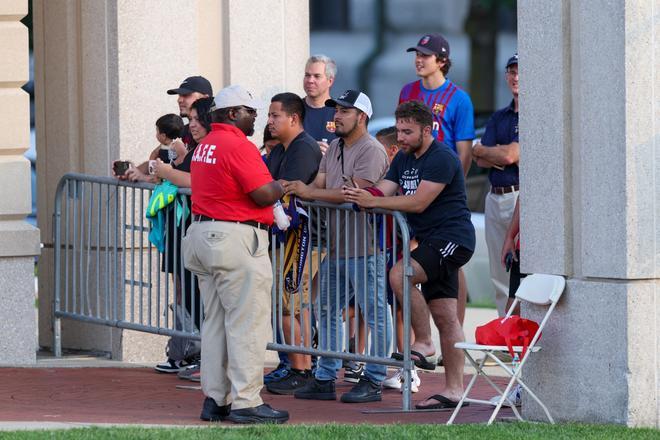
column 18, row 239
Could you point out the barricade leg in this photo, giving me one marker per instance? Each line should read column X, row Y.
column 57, row 337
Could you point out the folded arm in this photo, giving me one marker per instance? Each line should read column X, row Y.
column 500, row 155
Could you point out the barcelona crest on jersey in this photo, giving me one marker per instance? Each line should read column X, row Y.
column 330, row 126
column 438, row 108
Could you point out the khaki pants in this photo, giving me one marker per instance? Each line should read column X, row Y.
column 235, row 278
column 499, row 211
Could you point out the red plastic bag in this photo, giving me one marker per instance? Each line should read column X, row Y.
column 511, row 331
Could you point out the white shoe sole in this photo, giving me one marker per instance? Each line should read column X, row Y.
column 392, row 386
column 169, row 370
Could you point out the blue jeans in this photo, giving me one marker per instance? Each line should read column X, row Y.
column 340, row 281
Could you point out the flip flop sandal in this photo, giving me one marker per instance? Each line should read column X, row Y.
column 443, row 403
column 421, row 361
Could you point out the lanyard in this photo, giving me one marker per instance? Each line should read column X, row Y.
column 341, row 155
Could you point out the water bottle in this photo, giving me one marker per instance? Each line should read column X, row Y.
column 281, row 219
column 515, row 362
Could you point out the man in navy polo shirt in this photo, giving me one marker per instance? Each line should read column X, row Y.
column 499, row 151
column 320, row 72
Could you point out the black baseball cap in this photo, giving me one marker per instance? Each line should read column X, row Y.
column 193, row 84
column 513, row 60
column 431, row 44
column 352, row 99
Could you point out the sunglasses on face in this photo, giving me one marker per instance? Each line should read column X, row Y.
column 248, row 110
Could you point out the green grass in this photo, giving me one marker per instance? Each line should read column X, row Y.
column 504, row 431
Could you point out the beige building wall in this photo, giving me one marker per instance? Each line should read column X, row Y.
column 19, row 241
column 102, row 69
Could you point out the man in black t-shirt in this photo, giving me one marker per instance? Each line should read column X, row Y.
column 296, row 157
column 430, row 177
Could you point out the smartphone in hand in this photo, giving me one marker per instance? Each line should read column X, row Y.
column 120, row 167
column 508, row 261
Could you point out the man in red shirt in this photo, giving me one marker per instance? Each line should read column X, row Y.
column 226, row 245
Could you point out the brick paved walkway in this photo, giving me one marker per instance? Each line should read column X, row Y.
column 139, row 395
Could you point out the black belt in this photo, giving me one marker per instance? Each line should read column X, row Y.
column 204, row 218
column 503, row 189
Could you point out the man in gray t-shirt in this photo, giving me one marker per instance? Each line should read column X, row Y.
column 355, row 158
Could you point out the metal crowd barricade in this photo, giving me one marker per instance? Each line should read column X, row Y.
column 107, row 272
column 345, row 246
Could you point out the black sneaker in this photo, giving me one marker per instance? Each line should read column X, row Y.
column 278, row 373
column 212, row 412
column 170, row 366
column 287, row 385
column 259, row 414
column 353, row 372
column 364, row 391
column 317, row 390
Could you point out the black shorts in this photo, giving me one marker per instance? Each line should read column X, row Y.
column 515, row 276
column 440, row 260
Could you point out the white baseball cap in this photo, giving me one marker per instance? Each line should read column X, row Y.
column 352, row 99
column 235, row 96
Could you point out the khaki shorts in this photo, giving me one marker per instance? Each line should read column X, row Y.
column 287, row 298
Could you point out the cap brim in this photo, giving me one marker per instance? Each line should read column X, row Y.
column 257, row 104
column 179, row 91
column 336, row 102
column 424, row 50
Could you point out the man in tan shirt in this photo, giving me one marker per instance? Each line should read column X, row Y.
column 355, row 157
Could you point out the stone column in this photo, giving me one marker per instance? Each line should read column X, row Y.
column 19, row 241
column 590, row 139
column 102, row 70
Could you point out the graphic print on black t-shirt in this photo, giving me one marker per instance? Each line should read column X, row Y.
column 409, row 181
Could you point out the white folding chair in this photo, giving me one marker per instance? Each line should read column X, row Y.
column 539, row 289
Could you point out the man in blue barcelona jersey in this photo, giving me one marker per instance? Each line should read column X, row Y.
column 453, row 114
column 451, row 107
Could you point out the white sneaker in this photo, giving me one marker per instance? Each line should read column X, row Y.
column 394, row 382
column 415, row 381
column 515, row 396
